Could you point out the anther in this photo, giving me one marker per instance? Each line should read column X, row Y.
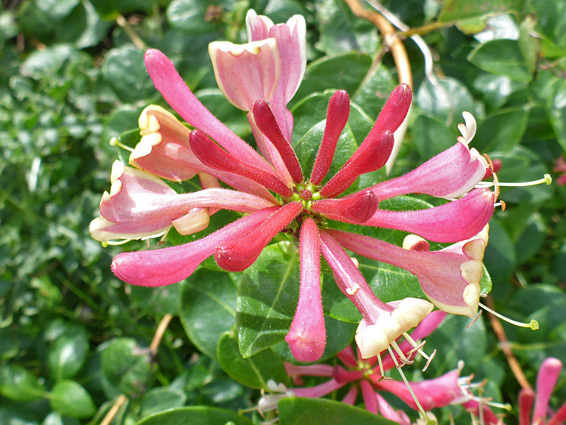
column 533, row 324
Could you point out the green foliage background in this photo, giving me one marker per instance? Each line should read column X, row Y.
column 73, row 337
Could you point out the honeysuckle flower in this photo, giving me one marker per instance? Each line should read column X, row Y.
column 546, row 380
column 367, row 377
column 560, row 167
column 278, row 197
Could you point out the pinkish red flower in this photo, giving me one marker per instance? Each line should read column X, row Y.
column 546, row 380
column 277, row 195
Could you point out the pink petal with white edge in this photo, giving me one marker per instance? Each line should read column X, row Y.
column 449, row 174
column 172, row 87
column 164, row 151
column 452, row 222
column 450, row 278
column 171, row 265
column 246, row 73
column 307, row 335
column 291, row 41
column 144, row 205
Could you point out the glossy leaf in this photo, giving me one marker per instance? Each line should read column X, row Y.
column 502, row 130
column 18, row 383
column 67, row 354
column 314, row 411
column 71, row 399
column 501, row 57
column 160, row 399
column 198, row 415
column 207, row 308
column 254, row 371
column 267, row 298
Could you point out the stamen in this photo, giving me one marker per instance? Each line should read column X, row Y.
column 418, row 348
column 115, row 142
column 547, row 179
column 402, row 356
column 475, row 319
column 421, row 410
column 533, row 324
column 381, row 371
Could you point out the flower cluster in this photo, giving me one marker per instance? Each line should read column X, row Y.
column 270, row 188
column 369, row 378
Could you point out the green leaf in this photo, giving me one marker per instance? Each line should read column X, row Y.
column 71, row 399
column 67, row 354
column 341, row 72
column 207, row 308
column 312, row 110
column 502, row 130
column 124, row 70
column 317, row 411
column 454, row 10
column 125, row 368
column 55, row 418
column 307, row 149
column 254, row 371
column 528, row 43
column 557, row 113
column 374, row 91
column 18, row 415
column 160, row 399
column 189, row 16
column 431, row 136
column 445, row 100
column 199, row 415
column 342, row 32
column 57, row 9
column 17, row 383
column 501, row 57
column 267, row 298
column 485, row 283
column 499, row 256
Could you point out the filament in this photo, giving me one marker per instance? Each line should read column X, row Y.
column 533, row 324
column 115, row 142
column 421, row 410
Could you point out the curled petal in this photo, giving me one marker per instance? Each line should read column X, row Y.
column 487, row 414
column 164, row 151
column 356, row 208
column 307, row 335
column 170, row 84
column 449, row 174
column 451, row 222
column 170, row 265
column 246, row 73
column 450, row 278
column 240, row 253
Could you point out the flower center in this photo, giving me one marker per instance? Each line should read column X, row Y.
column 306, row 193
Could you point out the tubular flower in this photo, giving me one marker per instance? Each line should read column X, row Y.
column 546, row 380
column 367, row 377
column 278, row 197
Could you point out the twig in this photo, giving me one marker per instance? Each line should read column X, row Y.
column 390, row 38
column 114, row 410
column 123, row 23
column 159, row 335
column 505, row 346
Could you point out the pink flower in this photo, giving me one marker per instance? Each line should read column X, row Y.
column 367, row 376
column 546, row 380
column 273, row 190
